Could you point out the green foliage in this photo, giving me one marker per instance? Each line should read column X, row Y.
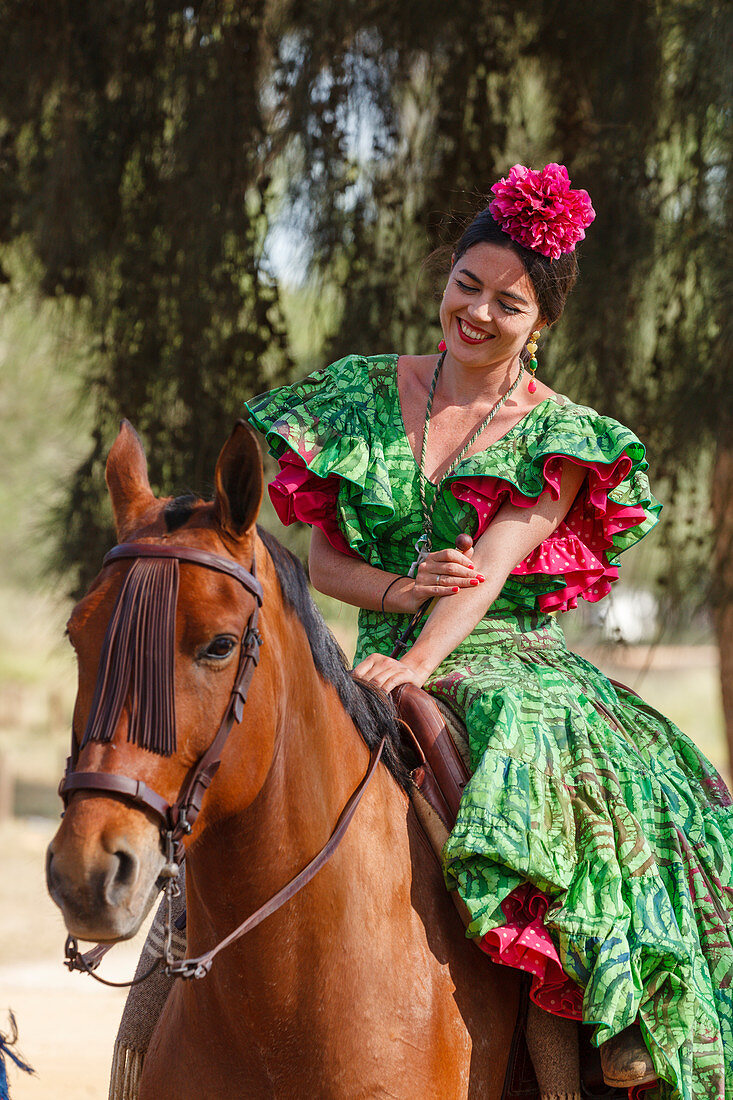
column 44, row 426
column 439, row 101
column 135, row 164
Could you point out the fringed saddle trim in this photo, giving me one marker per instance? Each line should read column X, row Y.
column 127, row 1069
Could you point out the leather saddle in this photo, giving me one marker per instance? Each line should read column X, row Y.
column 437, row 742
column 437, row 746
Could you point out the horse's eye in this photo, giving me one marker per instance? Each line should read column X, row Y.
column 220, row 647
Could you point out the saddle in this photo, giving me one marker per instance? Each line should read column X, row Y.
column 436, row 741
column 437, row 744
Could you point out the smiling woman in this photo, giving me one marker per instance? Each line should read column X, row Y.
column 551, row 279
column 594, row 844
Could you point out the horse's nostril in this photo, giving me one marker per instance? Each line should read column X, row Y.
column 122, row 874
column 50, row 876
column 127, row 867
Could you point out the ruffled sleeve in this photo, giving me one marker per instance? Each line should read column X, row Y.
column 613, row 509
column 324, row 433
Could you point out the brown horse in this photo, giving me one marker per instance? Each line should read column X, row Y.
column 363, row 984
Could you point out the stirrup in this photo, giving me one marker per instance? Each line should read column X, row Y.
column 625, row 1060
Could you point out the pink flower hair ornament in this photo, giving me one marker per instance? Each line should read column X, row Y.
column 540, row 211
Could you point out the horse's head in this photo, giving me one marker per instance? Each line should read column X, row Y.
column 160, row 642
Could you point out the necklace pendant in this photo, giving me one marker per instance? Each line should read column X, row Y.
column 422, row 548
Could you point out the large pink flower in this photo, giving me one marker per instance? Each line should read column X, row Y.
column 540, row 211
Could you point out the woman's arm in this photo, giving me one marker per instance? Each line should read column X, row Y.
column 512, row 535
column 354, row 581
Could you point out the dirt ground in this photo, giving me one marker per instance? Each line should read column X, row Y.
column 66, row 1022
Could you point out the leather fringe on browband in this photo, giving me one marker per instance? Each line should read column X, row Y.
column 137, row 660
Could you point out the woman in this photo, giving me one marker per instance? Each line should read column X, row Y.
column 593, row 843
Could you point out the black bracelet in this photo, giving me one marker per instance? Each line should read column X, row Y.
column 402, row 577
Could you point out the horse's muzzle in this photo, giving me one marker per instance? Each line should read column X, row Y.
column 102, row 868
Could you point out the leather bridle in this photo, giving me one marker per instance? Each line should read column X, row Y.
column 177, row 819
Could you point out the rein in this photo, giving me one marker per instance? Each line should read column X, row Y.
column 177, row 819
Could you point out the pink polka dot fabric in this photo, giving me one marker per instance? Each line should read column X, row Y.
column 578, row 549
column 524, row 942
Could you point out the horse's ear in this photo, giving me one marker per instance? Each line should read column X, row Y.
column 239, row 481
column 127, row 481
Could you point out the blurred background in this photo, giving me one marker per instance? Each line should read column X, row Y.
column 200, row 201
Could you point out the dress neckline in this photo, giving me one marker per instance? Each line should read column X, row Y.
column 484, row 450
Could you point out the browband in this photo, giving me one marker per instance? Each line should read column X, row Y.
column 187, row 553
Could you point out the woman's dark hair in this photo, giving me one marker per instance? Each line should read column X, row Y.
column 552, row 279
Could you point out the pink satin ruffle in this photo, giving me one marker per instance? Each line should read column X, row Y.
column 296, row 493
column 524, row 942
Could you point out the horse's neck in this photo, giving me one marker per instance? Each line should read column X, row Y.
column 318, row 760
column 362, row 982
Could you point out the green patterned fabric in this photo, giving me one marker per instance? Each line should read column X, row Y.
column 578, row 786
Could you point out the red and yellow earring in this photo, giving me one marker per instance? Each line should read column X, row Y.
column 532, row 365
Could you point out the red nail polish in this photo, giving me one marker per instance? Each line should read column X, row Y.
column 470, row 566
column 455, row 588
column 480, row 578
column 473, row 580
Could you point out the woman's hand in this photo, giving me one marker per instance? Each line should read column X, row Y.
column 443, row 573
column 386, row 673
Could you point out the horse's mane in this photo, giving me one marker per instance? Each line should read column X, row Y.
column 371, row 711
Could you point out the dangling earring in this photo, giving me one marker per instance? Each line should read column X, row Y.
column 532, row 365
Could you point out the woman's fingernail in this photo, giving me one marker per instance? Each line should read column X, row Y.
column 479, row 577
column 470, row 565
column 473, row 580
column 455, row 588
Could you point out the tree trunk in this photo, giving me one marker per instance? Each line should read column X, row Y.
column 722, row 503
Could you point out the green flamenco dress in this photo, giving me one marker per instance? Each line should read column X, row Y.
column 593, row 843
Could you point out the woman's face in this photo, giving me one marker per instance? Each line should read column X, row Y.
column 489, row 307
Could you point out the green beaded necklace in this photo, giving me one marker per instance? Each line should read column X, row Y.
column 423, row 545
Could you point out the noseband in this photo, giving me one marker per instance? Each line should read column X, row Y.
column 177, row 819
